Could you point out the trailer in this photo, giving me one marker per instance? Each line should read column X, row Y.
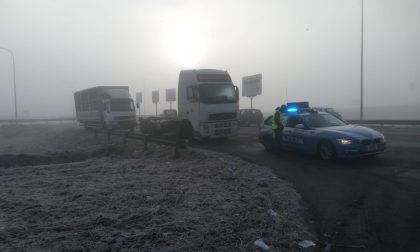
column 107, row 106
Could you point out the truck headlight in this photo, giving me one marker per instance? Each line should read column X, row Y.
column 206, row 128
column 345, row 141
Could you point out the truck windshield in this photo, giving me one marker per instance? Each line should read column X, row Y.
column 322, row 120
column 217, row 93
column 121, row 105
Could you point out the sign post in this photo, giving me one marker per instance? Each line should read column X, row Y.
column 155, row 99
column 252, row 86
column 170, row 96
column 139, row 100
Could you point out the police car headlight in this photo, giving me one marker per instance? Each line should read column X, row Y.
column 382, row 137
column 345, row 141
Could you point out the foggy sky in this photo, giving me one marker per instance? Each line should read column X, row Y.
column 312, row 48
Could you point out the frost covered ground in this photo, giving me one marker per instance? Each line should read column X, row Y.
column 62, row 189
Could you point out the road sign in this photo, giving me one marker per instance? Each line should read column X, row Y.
column 171, row 95
column 252, row 85
column 155, row 96
column 139, row 98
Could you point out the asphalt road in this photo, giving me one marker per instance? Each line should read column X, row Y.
column 372, row 203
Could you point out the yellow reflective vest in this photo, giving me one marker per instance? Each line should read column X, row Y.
column 278, row 119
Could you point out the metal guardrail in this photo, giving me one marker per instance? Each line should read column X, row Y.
column 62, row 119
column 386, row 122
column 177, row 140
column 57, row 119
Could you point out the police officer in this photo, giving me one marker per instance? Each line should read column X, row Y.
column 278, row 123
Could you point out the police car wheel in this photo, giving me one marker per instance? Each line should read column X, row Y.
column 268, row 143
column 326, row 150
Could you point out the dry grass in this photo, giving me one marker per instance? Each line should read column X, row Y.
column 125, row 199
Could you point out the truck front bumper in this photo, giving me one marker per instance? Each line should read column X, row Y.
column 123, row 124
column 218, row 129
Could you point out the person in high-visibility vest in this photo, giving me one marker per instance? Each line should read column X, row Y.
column 278, row 123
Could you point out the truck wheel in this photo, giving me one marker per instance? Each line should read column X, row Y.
column 326, row 150
column 186, row 130
column 268, row 143
column 107, row 126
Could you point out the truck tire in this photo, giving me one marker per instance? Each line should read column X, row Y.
column 107, row 126
column 186, row 131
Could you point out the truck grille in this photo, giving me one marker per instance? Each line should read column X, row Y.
column 222, row 132
column 123, row 117
column 222, row 116
column 222, row 125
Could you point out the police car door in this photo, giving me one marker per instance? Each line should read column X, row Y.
column 288, row 133
column 304, row 136
column 296, row 135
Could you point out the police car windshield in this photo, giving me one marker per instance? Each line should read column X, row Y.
column 322, row 120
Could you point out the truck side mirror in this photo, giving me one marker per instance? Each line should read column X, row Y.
column 190, row 93
column 138, row 105
column 237, row 91
column 196, row 94
column 107, row 107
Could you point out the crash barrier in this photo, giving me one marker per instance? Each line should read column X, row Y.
column 178, row 140
column 386, row 122
column 72, row 119
column 39, row 120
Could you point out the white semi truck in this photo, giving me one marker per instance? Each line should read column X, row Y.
column 208, row 106
column 108, row 106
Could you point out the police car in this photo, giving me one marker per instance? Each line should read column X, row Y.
column 312, row 132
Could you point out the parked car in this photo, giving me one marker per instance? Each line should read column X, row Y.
column 329, row 110
column 250, row 116
column 323, row 134
column 170, row 113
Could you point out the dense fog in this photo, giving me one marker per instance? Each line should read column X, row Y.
column 312, row 49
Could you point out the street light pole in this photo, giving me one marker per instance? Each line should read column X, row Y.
column 14, row 79
column 361, row 72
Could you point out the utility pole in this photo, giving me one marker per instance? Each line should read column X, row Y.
column 14, row 80
column 361, row 71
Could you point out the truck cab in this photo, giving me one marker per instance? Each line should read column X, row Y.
column 109, row 106
column 209, row 101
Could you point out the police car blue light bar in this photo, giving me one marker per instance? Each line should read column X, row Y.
column 295, row 107
column 300, row 105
